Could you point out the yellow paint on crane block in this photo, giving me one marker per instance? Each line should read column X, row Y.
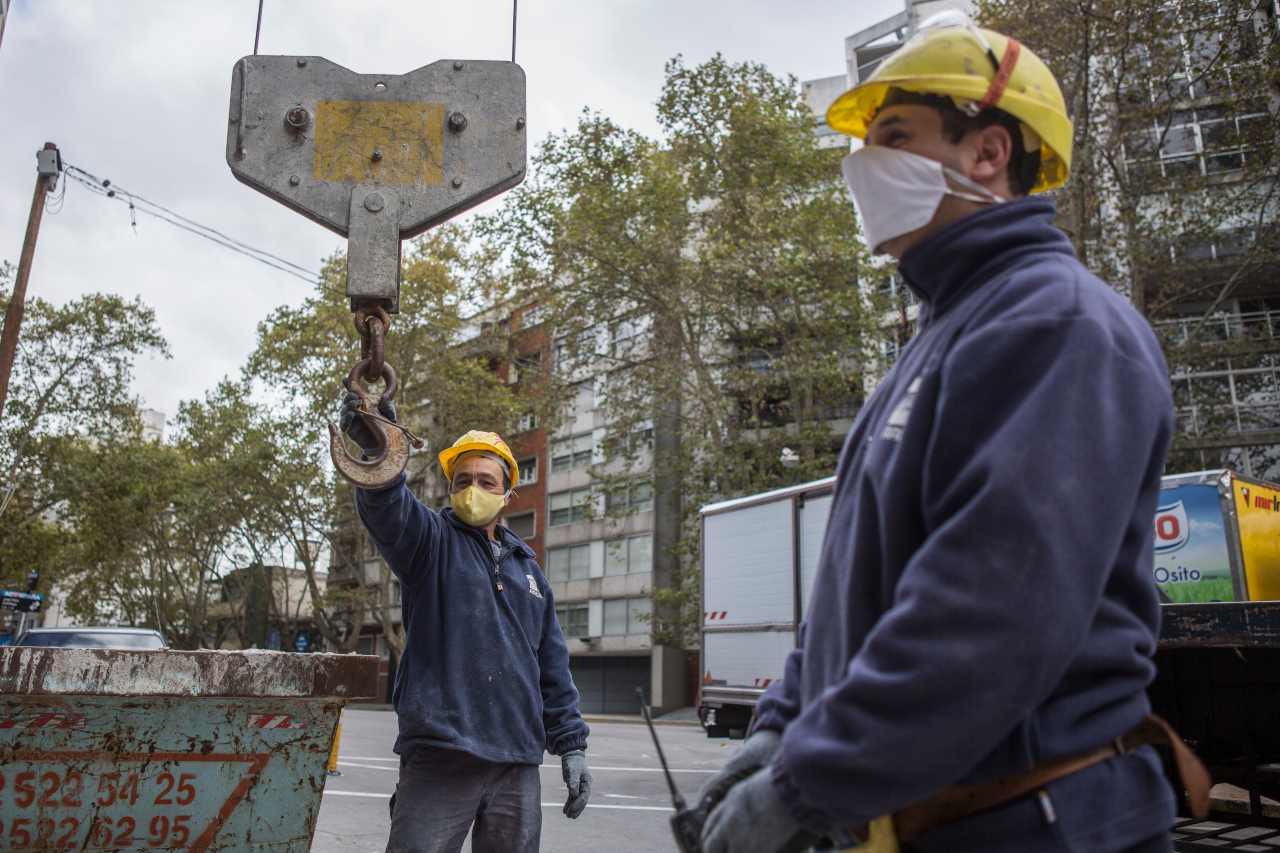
column 394, row 143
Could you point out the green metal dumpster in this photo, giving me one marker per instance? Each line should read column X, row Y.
column 168, row 750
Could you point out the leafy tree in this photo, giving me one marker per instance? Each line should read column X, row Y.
column 1173, row 199
column 277, row 502
column 143, row 537
column 707, row 281
column 70, row 385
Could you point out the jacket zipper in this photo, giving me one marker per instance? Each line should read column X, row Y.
column 497, row 573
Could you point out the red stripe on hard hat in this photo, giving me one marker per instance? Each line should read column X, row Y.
column 1001, row 81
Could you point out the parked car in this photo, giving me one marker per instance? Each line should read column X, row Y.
column 133, row 639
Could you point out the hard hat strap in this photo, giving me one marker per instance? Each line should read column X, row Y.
column 1001, row 81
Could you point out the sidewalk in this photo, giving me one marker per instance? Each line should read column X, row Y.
column 678, row 717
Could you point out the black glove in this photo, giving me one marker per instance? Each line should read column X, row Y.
column 355, row 427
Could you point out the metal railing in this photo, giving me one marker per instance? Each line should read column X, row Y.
column 1255, row 326
column 1241, row 418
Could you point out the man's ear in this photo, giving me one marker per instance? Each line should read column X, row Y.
column 993, row 149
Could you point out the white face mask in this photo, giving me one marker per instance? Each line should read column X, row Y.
column 897, row 192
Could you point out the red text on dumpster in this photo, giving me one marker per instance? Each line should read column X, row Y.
column 93, row 801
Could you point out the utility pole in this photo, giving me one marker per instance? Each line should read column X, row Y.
column 48, row 165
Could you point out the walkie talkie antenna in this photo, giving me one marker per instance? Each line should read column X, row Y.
column 676, row 799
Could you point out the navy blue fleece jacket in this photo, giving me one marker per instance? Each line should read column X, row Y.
column 485, row 670
column 984, row 600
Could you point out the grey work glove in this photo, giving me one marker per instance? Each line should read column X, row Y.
column 577, row 778
column 756, row 752
column 354, row 426
column 750, row 819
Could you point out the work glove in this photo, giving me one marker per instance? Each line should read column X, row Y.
column 756, row 752
column 577, row 778
column 752, row 819
column 354, row 426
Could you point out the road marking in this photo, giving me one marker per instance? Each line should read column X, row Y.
column 396, row 759
column 547, row 767
column 329, row 793
column 611, row 806
column 594, row 767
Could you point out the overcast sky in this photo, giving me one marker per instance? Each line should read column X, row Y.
column 137, row 91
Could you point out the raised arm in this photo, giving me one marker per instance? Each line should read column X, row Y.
column 404, row 530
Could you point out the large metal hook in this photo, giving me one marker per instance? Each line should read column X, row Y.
column 391, row 453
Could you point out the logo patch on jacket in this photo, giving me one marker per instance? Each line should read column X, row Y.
column 533, row 586
column 898, row 417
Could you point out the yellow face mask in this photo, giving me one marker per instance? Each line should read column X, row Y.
column 476, row 507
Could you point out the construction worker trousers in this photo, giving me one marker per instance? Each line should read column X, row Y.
column 443, row 794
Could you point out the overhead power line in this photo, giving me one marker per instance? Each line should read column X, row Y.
column 139, row 204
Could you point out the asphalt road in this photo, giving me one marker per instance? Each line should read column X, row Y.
column 629, row 810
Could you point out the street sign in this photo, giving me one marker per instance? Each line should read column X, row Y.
column 20, row 602
column 377, row 158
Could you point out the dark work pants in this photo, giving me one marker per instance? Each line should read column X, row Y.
column 443, row 793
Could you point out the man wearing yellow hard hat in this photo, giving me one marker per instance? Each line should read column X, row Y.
column 971, row 672
column 484, row 685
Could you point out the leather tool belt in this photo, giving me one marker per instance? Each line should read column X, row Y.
column 961, row 801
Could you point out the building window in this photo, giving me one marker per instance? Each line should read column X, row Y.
column 396, row 593
column 533, row 316
column 627, row 336
column 568, row 506
column 572, row 354
column 523, row 524
column 527, row 422
column 529, row 362
column 1207, row 139
column 573, row 621
column 628, row 556
column 528, row 471
column 570, row 453
column 569, row 564
column 627, row 616
column 629, row 498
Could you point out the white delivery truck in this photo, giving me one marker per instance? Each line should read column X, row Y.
column 759, row 555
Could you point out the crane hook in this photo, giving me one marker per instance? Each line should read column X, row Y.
column 391, row 454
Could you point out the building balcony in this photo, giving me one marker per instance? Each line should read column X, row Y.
column 1228, row 425
column 1257, row 331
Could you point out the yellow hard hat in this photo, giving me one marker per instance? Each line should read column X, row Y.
column 477, row 441
column 979, row 69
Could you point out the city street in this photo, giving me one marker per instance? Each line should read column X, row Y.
column 629, row 810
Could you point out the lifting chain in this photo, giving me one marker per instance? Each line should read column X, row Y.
column 388, row 459
column 372, row 322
